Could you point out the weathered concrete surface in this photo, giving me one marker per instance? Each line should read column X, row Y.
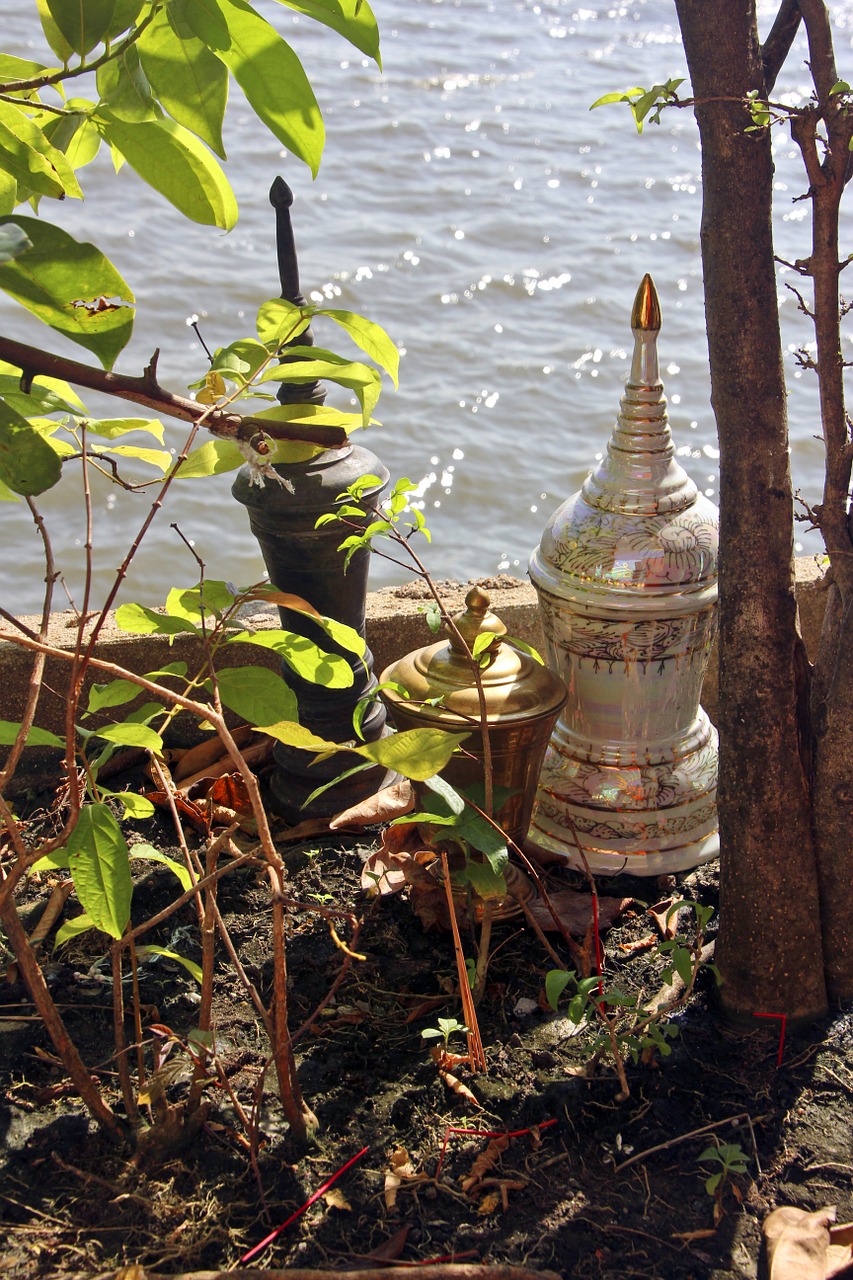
column 396, row 624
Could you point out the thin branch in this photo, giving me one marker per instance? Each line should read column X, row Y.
column 146, row 390
column 60, row 76
column 777, row 46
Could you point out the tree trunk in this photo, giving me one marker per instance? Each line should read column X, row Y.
column 769, row 949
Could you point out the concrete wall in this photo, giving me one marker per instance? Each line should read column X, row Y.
column 396, row 624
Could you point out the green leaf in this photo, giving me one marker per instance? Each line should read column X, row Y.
column 682, row 962
column 53, row 35
column 74, row 135
column 150, row 854
column 13, row 242
column 135, row 806
column 174, row 162
column 114, row 694
column 80, row 924
column 280, row 321
column 416, row 753
column 302, row 656
column 713, row 1182
column 352, row 19
column 61, row 280
column 485, row 881
column 608, row 98
column 57, row 860
column 370, row 337
column 189, row 965
column 9, row 730
column 12, row 68
column 28, row 463
column 82, row 23
column 266, row 69
column 124, row 88
column 125, row 14
column 132, row 735
column 294, row 735
column 46, row 395
column 256, row 695
column 196, row 603
column 139, row 620
column 27, row 154
column 210, row 459
column 158, row 458
column 112, row 428
column 190, row 81
column 99, row 863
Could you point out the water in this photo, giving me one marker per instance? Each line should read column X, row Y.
column 470, row 203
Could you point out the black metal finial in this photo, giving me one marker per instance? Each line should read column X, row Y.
column 281, row 199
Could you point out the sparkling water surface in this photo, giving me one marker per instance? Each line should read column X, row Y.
column 470, row 203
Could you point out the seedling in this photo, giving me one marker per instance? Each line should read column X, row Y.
column 445, row 1029
column 731, row 1159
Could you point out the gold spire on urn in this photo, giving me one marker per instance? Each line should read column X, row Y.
column 646, row 310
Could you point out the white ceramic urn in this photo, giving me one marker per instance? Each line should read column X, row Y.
column 626, row 574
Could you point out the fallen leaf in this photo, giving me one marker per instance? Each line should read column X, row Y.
column 387, row 804
column 391, row 1248
column 489, row 1203
column 336, row 1199
column 803, row 1246
column 575, row 911
column 485, row 1162
column 454, row 1083
column 638, row 945
column 424, row 1007
column 402, row 1170
column 658, row 912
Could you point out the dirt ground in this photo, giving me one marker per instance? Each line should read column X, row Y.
column 591, row 1187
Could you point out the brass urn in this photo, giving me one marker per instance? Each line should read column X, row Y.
column 523, row 699
column 626, row 574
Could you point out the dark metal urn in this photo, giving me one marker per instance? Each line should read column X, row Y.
column 305, row 561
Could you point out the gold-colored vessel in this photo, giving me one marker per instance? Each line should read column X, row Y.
column 523, row 700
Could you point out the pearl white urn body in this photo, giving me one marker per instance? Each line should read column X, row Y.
column 626, row 574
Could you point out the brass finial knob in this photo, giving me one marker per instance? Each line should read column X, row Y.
column 646, row 310
column 476, row 619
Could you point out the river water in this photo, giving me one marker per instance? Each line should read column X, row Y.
column 470, row 203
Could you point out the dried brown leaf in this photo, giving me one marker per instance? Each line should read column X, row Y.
column 800, row 1245
column 459, row 1088
column 336, row 1199
column 485, row 1162
column 199, row 757
column 574, row 909
column 666, row 928
column 387, row 804
column 391, row 1248
column 489, row 1203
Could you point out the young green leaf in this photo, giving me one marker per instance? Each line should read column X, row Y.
column 190, row 965
column 266, row 69
column 114, row 694
column 27, row 154
column 129, row 734
column 210, row 459
column 80, row 924
column 124, row 88
column 416, row 753
column 135, row 806
column 190, row 81
column 174, row 162
column 556, row 981
column 9, row 730
column 302, row 656
column 99, row 864
column 112, row 428
column 150, row 854
column 256, row 695
column 82, row 23
column 139, row 620
column 371, row 337
column 280, row 321
column 353, row 19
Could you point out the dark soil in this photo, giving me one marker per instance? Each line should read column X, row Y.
column 74, row 1204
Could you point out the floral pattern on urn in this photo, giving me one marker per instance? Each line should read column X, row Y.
column 626, row 575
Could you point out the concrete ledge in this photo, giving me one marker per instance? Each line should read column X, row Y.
column 396, row 624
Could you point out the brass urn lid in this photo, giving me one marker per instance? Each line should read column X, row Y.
column 516, row 686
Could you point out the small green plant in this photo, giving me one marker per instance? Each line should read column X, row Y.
column 445, row 1029
column 731, row 1160
column 626, row 1029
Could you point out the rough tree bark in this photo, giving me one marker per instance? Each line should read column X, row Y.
column 769, row 950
